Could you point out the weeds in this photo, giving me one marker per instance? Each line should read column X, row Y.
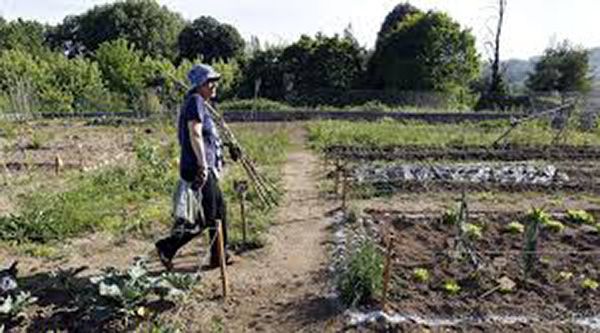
column 361, row 279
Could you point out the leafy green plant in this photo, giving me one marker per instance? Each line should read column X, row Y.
column 452, row 287
column 580, row 217
column 129, row 292
column 361, row 279
column 13, row 306
column 421, row 275
column 589, row 284
column 515, row 228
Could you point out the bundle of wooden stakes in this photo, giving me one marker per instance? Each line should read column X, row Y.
column 265, row 190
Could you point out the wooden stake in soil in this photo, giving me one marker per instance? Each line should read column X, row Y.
column 222, row 258
column 241, row 187
column 58, row 165
column 337, row 176
column 387, row 266
column 344, row 187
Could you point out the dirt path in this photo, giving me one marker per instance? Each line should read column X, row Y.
column 283, row 287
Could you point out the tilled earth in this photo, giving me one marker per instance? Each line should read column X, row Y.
column 552, row 297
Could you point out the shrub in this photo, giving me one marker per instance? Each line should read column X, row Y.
column 259, row 104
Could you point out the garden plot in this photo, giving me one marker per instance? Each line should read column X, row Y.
column 478, row 275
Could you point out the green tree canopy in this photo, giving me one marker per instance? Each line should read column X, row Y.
column 425, row 52
column 323, row 63
column 21, row 34
column 121, row 67
column 152, row 28
column 263, row 75
column 210, row 40
column 395, row 18
column 563, row 68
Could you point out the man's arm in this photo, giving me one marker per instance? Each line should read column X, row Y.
column 195, row 130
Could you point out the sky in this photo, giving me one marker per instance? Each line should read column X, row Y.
column 530, row 25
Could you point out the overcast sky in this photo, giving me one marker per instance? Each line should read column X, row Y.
column 530, row 25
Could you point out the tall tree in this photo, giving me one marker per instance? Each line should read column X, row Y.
column 205, row 37
column 426, row 52
column 563, row 68
column 324, row 62
column 263, row 75
column 151, row 28
column 395, row 18
column 21, row 34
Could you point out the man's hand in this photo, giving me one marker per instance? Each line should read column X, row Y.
column 201, row 178
column 235, row 152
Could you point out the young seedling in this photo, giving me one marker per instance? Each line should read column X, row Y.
column 451, row 287
column 473, row 231
column 565, row 276
column 450, row 217
column 589, row 284
column 580, row 217
column 554, row 226
column 421, row 275
column 515, row 228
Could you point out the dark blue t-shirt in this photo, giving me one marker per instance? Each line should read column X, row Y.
column 194, row 109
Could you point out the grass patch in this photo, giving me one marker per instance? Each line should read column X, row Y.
column 124, row 200
column 115, row 199
column 383, row 133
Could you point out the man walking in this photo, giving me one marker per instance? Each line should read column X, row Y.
column 198, row 201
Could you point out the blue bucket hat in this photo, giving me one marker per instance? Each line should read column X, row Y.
column 200, row 74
